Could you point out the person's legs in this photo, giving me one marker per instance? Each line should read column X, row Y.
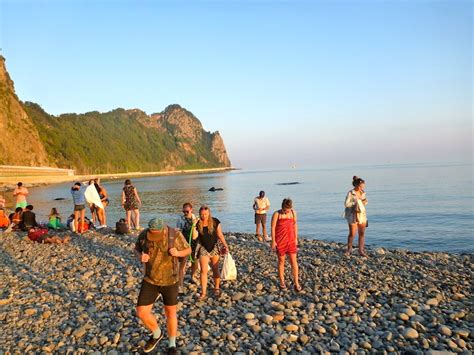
column 281, row 270
column 204, row 262
column 76, row 220
column 361, row 230
column 137, row 218
column 83, row 218
column 182, row 271
column 295, row 270
column 265, row 235
column 147, row 317
column 350, row 238
column 100, row 215
column 104, row 216
column 257, row 225
column 215, row 272
column 194, row 267
column 128, row 214
column 171, row 320
column 94, row 215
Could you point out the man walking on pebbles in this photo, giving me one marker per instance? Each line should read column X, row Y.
column 158, row 247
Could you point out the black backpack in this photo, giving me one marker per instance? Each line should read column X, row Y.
column 121, row 227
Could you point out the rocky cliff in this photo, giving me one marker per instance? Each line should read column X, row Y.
column 111, row 142
column 20, row 143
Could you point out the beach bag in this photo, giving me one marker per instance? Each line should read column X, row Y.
column 229, row 271
column 121, row 227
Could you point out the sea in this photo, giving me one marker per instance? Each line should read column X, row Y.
column 419, row 207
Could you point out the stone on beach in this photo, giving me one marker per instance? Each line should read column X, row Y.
column 80, row 298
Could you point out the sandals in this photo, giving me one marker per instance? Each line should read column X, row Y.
column 283, row 287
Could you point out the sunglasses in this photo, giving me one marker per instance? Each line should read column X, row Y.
column 186, row 211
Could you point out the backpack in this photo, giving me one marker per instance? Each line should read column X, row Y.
column 121, row 227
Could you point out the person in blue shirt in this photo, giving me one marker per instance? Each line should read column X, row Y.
column 79, row 199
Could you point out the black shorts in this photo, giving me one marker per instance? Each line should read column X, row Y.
column 79, row 207
column 149, row 293
column 260, row 218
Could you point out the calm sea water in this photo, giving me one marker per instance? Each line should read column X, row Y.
column 416, row 207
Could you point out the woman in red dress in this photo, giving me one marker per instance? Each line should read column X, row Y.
column 285, row 241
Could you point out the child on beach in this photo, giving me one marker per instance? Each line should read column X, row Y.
column 54, row 219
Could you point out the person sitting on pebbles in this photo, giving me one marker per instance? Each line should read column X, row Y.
column 209, row 234
column 285, row 241
column 41, row 236
column 158, row 247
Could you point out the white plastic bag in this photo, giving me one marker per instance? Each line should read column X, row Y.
column 229, row 271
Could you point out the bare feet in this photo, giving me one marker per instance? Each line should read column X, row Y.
column 298, row 288
column 363, row 254
column 348, row 252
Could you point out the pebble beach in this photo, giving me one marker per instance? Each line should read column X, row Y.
column 80, row 298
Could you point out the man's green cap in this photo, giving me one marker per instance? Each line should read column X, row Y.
column 156, row 224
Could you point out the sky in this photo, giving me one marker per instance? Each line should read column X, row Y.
column 303, row 83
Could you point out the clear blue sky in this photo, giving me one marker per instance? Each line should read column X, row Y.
column 285, row 82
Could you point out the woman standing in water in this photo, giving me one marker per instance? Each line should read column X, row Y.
column 355, row 215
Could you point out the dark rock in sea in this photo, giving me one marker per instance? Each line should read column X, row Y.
column 59, row 199
column 215, row 189
column 289, row 183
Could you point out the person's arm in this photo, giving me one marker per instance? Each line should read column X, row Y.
column 220, row 235
column 255, row 206
column 267, row 207
column 182, row 248
column 123, row 198
column 274, row 222
column 364, row 199
column 15, row 192
column 138, row 251
column 296, row 226
column 26, row 192
column 105, row 193
column 136, row 195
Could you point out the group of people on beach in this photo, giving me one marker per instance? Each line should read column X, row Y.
column 163, row 251
column 166, row 252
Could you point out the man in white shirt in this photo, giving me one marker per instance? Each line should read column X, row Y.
column 261, row 205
